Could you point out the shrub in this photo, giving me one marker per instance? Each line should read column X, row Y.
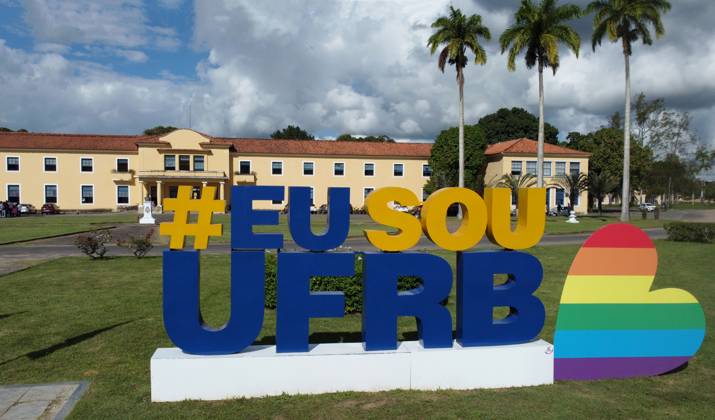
column 94, row 243
column 139, row 246
column 350, row 286
column 690, row 232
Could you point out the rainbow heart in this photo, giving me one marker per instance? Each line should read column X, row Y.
column 610, row 324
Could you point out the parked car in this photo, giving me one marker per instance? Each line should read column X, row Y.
column 50, row 208
column 313, row 209
column 647, row 207
column 400, row 208
column 27, row 209
column 559, row 211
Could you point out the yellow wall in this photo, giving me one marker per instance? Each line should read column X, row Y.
column 503, row 164
column 220, row 168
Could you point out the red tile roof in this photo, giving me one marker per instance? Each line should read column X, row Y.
column 526, row 146
column 327, row 147
column 48, row 141
column 120, row 143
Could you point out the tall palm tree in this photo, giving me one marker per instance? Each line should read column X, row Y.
column 514, row 183
column 573, row 183
column 599, row 185
column 459, row 33
column 627, row 20
column 539, row 29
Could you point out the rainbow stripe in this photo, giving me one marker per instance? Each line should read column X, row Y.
column 610, row 325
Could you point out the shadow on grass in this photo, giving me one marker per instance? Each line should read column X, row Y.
column 340, row 337
column 8, row 315
column 38, row 354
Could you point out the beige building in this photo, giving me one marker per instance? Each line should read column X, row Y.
column 100, row 172
column 518, row 157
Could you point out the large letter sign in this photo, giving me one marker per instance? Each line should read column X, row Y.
column 610, row 324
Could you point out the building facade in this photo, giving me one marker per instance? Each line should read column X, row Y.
column 95, row 172
column 518, row 157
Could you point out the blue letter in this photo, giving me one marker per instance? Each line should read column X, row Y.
column 382, row 304
column 244, row 217
column 338, row 218
column 295, row 304
column 477, row 297
column 182, row 312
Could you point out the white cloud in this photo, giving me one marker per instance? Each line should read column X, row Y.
column 133, row 55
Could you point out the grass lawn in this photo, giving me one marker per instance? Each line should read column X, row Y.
column 34, row 227
column 102, row 321
column 557, row 225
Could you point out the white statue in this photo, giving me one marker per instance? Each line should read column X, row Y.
column 147, row 218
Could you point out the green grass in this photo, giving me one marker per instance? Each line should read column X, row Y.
column 26, row 228
column 557, row 225
column 101, row 321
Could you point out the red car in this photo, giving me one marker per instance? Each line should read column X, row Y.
column 49, row 208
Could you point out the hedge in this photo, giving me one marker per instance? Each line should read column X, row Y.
column 690, row 232
column 351, row 286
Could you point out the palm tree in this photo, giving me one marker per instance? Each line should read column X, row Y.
column 539, row 28
column 457, row 33
column 627, row 20
column 574, row 183
column 599, row 185
column 514, row 183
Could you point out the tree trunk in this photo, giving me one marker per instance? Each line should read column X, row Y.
column 600, row 211
column 460, row 81
column 626, row 194
column 540, row 145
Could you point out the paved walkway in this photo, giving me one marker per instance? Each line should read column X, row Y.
column 47, row 401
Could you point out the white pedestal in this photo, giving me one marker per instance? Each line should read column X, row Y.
column 572, row 218
column 260, row 371
column 147, row 218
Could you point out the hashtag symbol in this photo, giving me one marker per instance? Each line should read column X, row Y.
column 182, row 206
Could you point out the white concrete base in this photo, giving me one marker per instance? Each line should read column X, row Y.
column 259, row 371
column 147, row 218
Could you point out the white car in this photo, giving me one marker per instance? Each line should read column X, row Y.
column 647, row 206
column 400, row 208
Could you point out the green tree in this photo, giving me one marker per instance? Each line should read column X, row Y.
column 292, row 133
column 627, row 21
column 573, row 183
column 380, row 139
column 5, row 130
column 600, row 185
column 670, row 177
column 514, row 183
column 459, row 33
column 159, row 130
column 539, row 29
column 515, row 123
column 444, row 159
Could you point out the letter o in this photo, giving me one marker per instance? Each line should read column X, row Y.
column 474, row 220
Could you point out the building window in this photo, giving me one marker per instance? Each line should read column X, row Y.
column 50, row 164
column 366, row 191
column 13, row 193
column 426, row 170
column 87, row 164
column 560, row 168
column 87, row 194
column 169, row 162
column 338, row 169
column 425, row 196
column 244, row 167
column 312, row 196
column 277, row 201
column 308, row 168
column 531, row 167
column 13, row 163
column 51, row 194
column 173, row 191
column 276, row 168
column 398, row 169
column 575, row 168
column 122, row 194
column 184, row 162
column 122, row 165
column 516, row 167
column 547, row 168
column 198, row 163
column 369, row 169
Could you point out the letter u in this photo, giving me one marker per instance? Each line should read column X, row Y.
column 182, row 311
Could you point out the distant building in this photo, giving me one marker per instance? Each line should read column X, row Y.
column 109, row 172
column 518, row 157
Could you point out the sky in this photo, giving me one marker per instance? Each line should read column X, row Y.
column 246, row 68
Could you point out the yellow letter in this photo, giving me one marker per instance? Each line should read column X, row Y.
column 474, row 221
column 530, row 221
column 407, row 225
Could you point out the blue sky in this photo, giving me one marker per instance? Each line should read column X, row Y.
column 246, row 68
